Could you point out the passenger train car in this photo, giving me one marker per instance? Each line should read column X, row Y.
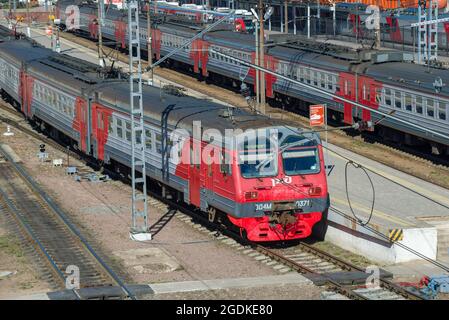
column 265, row 177
column 385, row 81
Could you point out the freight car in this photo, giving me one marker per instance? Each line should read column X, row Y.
column 262, row 176
column 384, row 80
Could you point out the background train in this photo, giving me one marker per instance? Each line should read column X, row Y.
column 272, row 186
column 386, row 81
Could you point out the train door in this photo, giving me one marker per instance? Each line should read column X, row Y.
column 195, row 173
column 100, row 126
column 26, row 93
column 369, row 95
column 210, row 153
column 81, row 124
column 347, row 90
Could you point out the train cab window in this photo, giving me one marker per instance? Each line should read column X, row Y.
column 430, row 106
column 408, row 102
column 419, row 105
column 257, row 157
column 299, row 155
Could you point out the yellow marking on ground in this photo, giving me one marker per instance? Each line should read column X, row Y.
column 412, row 186
column 377, row 213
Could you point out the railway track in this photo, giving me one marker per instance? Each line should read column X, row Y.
column 314, row 263
column 303, row 258
column 58, row 246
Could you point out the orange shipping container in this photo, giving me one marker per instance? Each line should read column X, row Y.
column 394, row 4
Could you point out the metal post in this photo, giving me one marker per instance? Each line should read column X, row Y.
column 149, row 39
column 286, row 15
column 262, row 57
column 282, row 18
column 100, row 22
column 28, row 19
column 325, row 134
column 308, row 21
column 334, row 22
column 294, row 19
column 377, row 32
column 139, row 227
column 57, row 42
column 422, row 32
column 257, row 63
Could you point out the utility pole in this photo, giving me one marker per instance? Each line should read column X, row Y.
column 28, row 19
column 262, row 57
column 100, row 22
column 149, row 40
column 257, row 63
column 286, row 15
column 308, row 21
column 57, row 43
column 139, row 228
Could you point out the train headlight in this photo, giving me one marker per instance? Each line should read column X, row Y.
column 251, row 195
column 315, row 191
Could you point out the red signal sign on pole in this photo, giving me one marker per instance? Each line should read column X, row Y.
column 317, row 115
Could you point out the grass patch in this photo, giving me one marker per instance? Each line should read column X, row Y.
column 10, row 246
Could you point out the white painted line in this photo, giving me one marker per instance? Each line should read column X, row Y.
column 216, row 284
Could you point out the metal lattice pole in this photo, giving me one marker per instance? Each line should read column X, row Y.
column 422, row 32
column 139, row 228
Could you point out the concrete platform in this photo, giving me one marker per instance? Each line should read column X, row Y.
column 173, row 287
column 423, row 223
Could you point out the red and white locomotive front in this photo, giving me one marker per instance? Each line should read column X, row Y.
column 280, row 182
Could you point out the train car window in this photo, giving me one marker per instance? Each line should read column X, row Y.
column 128, row 131
column 110, row 125
column 301, row 74
column 158, row 143
column 387, row 96
column 119, row 125
column 418, row 103
column 148, row 139
column 442, row 111
column 398, row 100
column 430, row 108
column 316, row 78
column 408, row 102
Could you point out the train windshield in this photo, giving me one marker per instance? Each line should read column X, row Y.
column 300, row 156
column 258, row 158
